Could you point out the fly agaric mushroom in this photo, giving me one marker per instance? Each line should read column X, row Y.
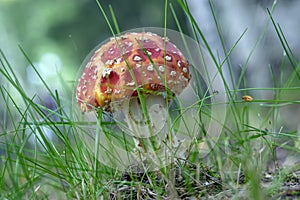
column 130, row 64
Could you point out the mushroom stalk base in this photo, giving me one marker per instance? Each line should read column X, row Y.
column 147, row 118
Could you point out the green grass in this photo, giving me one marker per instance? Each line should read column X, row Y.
column 34, row 167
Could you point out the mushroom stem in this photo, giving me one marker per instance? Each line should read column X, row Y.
column 147, row 119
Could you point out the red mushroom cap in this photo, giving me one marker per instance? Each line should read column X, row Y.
column 121, row 65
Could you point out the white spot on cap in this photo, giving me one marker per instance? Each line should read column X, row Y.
column 184, row 70
column 138, row 65
column 96, row 70
column 117, row 91
column 149, row 53
column 173, row 73
column 129, row 44
column 137, row 58
column 151, row 34
column 152, row 85
column 108, row 91
column 157, row 49
column 126, row 52
column 109, row 62
column 106, row 72
column 111, row 51
column 168, row 58
column 130, row 83
column 161, row 68
column 150, row 68
column 179, row 63
column 118, row 60
column 143, row 38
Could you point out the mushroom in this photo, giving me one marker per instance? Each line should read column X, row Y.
column 136, row 73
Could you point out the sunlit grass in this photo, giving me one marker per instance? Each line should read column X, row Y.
column 35, row 166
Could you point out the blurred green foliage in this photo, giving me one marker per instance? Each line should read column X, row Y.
column 70, row 29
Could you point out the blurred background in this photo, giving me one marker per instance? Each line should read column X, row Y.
column 235, row 17
column 57, row 35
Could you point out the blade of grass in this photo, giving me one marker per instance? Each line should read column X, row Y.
column 285, row 45
column 114, row 20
